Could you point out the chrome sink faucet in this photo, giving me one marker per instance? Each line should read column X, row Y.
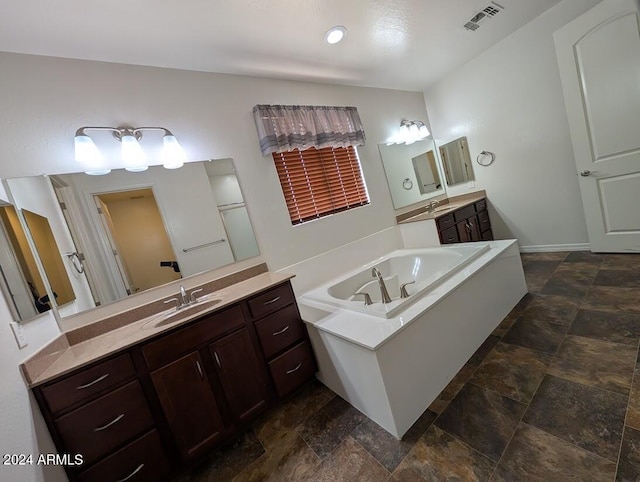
column 184, row 299
column 383, row 288
column 431, row 206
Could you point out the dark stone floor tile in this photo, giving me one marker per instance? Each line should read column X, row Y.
column 330, row 425
column 622, row 278
column 607, row 298
column 629, row 464
column 483, row 351
column 349, row 462
column 565, row 285
column 595, row 362
column 512, row 371
column 533, row 332
column 227, row 462
column 536, row 455
column 483, row 419
column 439, row 456
column 536, row 281
column 633, row 410
column 289, row 460
column 584, row 257
column 552, row 309
column 621, row 261
column 385, row 447
column 585, row 416
column 452, row 389
column 293, row 411
column 607, row 325
column 540, row 266
column 544, row 256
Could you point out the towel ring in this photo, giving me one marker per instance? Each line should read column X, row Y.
column 492, row 157
column 74, row 257
column 407, row 184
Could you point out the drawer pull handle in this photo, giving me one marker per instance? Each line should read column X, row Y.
column 200, row 372
column 131, row 474
column 281, row 331
column 289, row 372
column 104, row 427
column 215, row 353
column 450, row 239
column 272, row 301
column 97, row 380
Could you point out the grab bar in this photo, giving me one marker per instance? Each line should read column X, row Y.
column 186, row 250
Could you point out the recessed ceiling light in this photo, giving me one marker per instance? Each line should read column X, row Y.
column 335, row 34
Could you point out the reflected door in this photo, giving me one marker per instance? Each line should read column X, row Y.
column 599, row 60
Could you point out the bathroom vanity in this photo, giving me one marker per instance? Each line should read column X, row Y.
column 458, row 219
column 141, row 402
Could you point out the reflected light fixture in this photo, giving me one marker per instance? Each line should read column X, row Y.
column 410, row 132
column 134, row 158
column 335, row 34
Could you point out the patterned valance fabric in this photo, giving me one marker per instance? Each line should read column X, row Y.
column 286, row 127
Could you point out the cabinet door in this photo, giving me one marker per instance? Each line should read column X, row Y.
column 468, row 230
column 189, row 404
column 240, row 375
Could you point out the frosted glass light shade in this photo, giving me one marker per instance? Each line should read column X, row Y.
column 173, row 156
column 132, row 154
column 424, row 132
column 86, row 152
column 403, row 134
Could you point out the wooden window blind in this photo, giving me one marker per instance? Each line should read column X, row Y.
column 319, row 182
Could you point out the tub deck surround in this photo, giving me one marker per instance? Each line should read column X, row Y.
column 445, row 206
column 391, row 369
column 49, row 363
column 423, row 269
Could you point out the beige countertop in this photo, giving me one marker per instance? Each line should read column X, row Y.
column 72, row 357
column 444, row 208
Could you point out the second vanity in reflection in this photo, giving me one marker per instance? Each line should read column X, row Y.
column 144, row 400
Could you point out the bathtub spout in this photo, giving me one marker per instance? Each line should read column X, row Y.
column 383, row 288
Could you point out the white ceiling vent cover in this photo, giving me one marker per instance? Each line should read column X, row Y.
column 489, row 11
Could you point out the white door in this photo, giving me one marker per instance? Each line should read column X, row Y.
column 599, row 59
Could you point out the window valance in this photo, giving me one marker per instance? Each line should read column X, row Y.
column 283, row 128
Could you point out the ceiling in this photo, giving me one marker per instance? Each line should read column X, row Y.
column 401, row 44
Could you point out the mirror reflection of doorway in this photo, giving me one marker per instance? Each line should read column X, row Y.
column 138, row 237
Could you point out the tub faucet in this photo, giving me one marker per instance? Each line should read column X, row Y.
column 383, row 288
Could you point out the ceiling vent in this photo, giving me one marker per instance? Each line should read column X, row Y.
column 489, row 11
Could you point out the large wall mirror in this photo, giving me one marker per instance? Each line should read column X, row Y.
column 125, row 232
column 456, row 162
column 412, row 171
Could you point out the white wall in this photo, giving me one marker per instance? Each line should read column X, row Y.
column 44, row 101
column 509, row 100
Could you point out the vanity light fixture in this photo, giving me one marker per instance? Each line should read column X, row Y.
column 88, row 154
column 335, row 34
column 410, row 132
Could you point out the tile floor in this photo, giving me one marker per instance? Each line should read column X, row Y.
column 549, row 396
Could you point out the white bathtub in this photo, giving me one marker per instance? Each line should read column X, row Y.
column 427, row 268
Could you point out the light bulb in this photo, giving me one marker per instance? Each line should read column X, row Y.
column 173, row 156
column 335, row 34
column 86, row 151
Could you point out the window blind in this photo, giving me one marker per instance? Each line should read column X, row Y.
column 319, row 182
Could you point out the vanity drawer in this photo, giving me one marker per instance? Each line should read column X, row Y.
column 280, row 330
column 100, row 426
column 449, row 235
column 464, row 213
column 271, row 300
column 483, row 219
column 292, row 368
column 445, row 222
column 487, row 235
column 143, row 460
column 481, row 205
column 172, row 346
column 88, row 382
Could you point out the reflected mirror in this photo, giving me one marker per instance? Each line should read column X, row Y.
column 124, row 232
column 456, row 162
column 22, row 284
column 412, row 171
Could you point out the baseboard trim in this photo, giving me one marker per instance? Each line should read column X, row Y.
column 542, row 248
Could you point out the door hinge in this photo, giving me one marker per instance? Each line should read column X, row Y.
column 99, row 210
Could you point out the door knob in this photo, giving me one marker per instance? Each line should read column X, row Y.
column 587, row 173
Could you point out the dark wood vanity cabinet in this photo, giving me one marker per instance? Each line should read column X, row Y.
column 466, row 224
column 146, row 412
